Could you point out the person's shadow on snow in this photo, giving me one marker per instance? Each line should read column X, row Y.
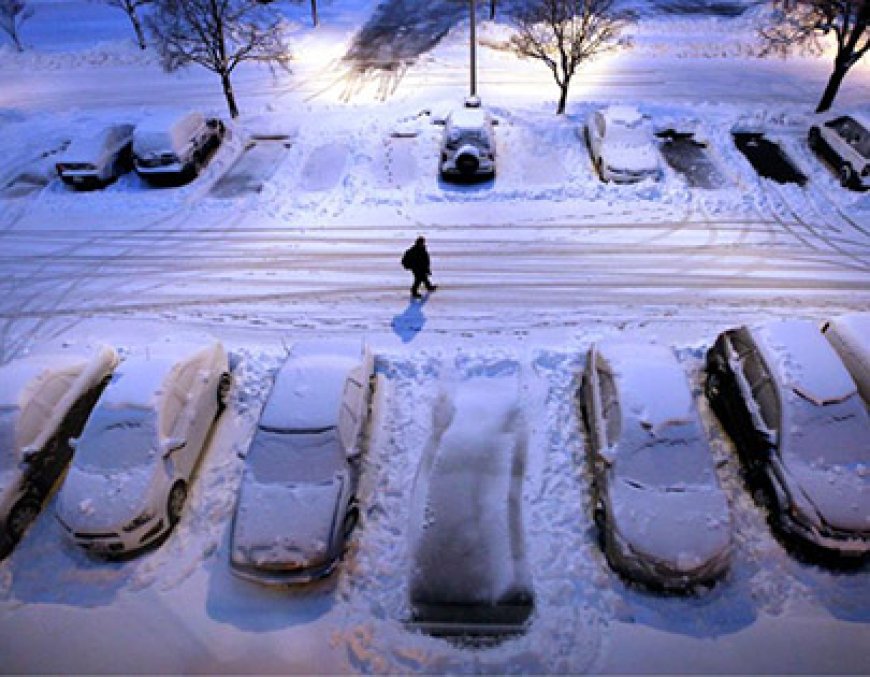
column 410, row 321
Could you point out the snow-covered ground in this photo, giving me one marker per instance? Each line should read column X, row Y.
column 300, row 237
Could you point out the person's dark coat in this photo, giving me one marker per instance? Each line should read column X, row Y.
column 416, row 260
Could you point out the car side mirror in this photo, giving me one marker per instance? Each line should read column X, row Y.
column 171, row 444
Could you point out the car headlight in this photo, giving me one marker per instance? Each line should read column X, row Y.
column 139, row 521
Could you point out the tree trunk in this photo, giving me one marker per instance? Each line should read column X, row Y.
column 563, row 98
column 18, row 46
column 137, row 26
column 314, row 12
column 492, row 10
column 230, row 96
column 833, row 87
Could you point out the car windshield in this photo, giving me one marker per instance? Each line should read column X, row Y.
column 635, row 134
column 476, row 137
column 673, row 456
column 284, row 457
column 117, row 438
column 827, row 435
column 8, row 458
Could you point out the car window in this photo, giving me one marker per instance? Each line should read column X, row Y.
column 55, row 388
column 741, row 342
column 33, row 416
column 8, row 444
column 173, row 405
column 348, row 415
column 287, row 458
column 117, row 438
column 768, row 403
column 609, row 406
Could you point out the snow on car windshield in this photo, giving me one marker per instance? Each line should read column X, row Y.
column 279, row 458
column 8, row 460
column 672, row 456
column 634, row 133
column 827, row 435
column 117, row 439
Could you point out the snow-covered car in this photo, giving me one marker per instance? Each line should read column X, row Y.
column 173, row 148
column 663, row 518
column 129, row 477
column 95, row 161
column 468, row 143
column 620, row 141
column 801, row 429
column 849, row 334
column 844, row 140
column 297, row 503
column 469, row 574
column 44, row 399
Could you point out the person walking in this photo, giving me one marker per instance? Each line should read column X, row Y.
column 416, row 259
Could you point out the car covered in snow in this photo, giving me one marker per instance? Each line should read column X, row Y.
column 97, row 160
column 663, row 518
column 801, row 429
column 621, row 145
column 844, row 140
column 128, row 481
column 849, row 334
column 468, row 143
column 469, row 574
column 172, row 148
column 43, row 400
column 297, row 504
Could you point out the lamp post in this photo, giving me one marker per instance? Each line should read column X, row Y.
column 473, row 49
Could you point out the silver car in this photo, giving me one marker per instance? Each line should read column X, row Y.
column 801, row 429
column 844, row 140
column 43, row 400
column 662, row 516
column 297, row 503
column 128, row 481
column 95, row 161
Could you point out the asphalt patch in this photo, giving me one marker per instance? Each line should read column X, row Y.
column 690, row 158
column 768, row 158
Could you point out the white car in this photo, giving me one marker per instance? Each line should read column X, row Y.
column 801, row 429
column 128, row 481
column 44, row 399
column 844, row 140
column 468, row 143
column 297, row 503
column 96, row 161
column 662, row 516
column 849, row 334
column 620, row 141
column 469, row 573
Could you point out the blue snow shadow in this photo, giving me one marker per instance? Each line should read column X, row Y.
column 410, row 321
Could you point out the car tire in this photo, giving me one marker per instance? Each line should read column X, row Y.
column 225, row 385
column 847, row 176
column 175, row 502
column 22, row 516
column 814, row 138
column 599, row 167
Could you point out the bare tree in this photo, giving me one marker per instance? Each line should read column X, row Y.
column 217, row 35
column 130, row 8
column 799, row 22
column 13, row 13
column 565, row 33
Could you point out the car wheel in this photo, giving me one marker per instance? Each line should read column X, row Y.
column 599, row 167
column 175, row 502
column 350, row 521
column 814, row 138
column 225, row 384
column 21, row 516
column 847, row 176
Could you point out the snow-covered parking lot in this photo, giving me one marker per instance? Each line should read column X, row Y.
column 294, row 231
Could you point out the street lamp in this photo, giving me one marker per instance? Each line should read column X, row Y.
column 473, row 49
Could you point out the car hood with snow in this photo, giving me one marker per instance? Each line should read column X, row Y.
column 93, row 502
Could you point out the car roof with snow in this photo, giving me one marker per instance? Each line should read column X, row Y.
column 803, row 360
column 308, row 387
column 469, row 118
column 174, row 129
column 19, row 377
column 91, row 146
column 651, row 384
column 628, row 116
